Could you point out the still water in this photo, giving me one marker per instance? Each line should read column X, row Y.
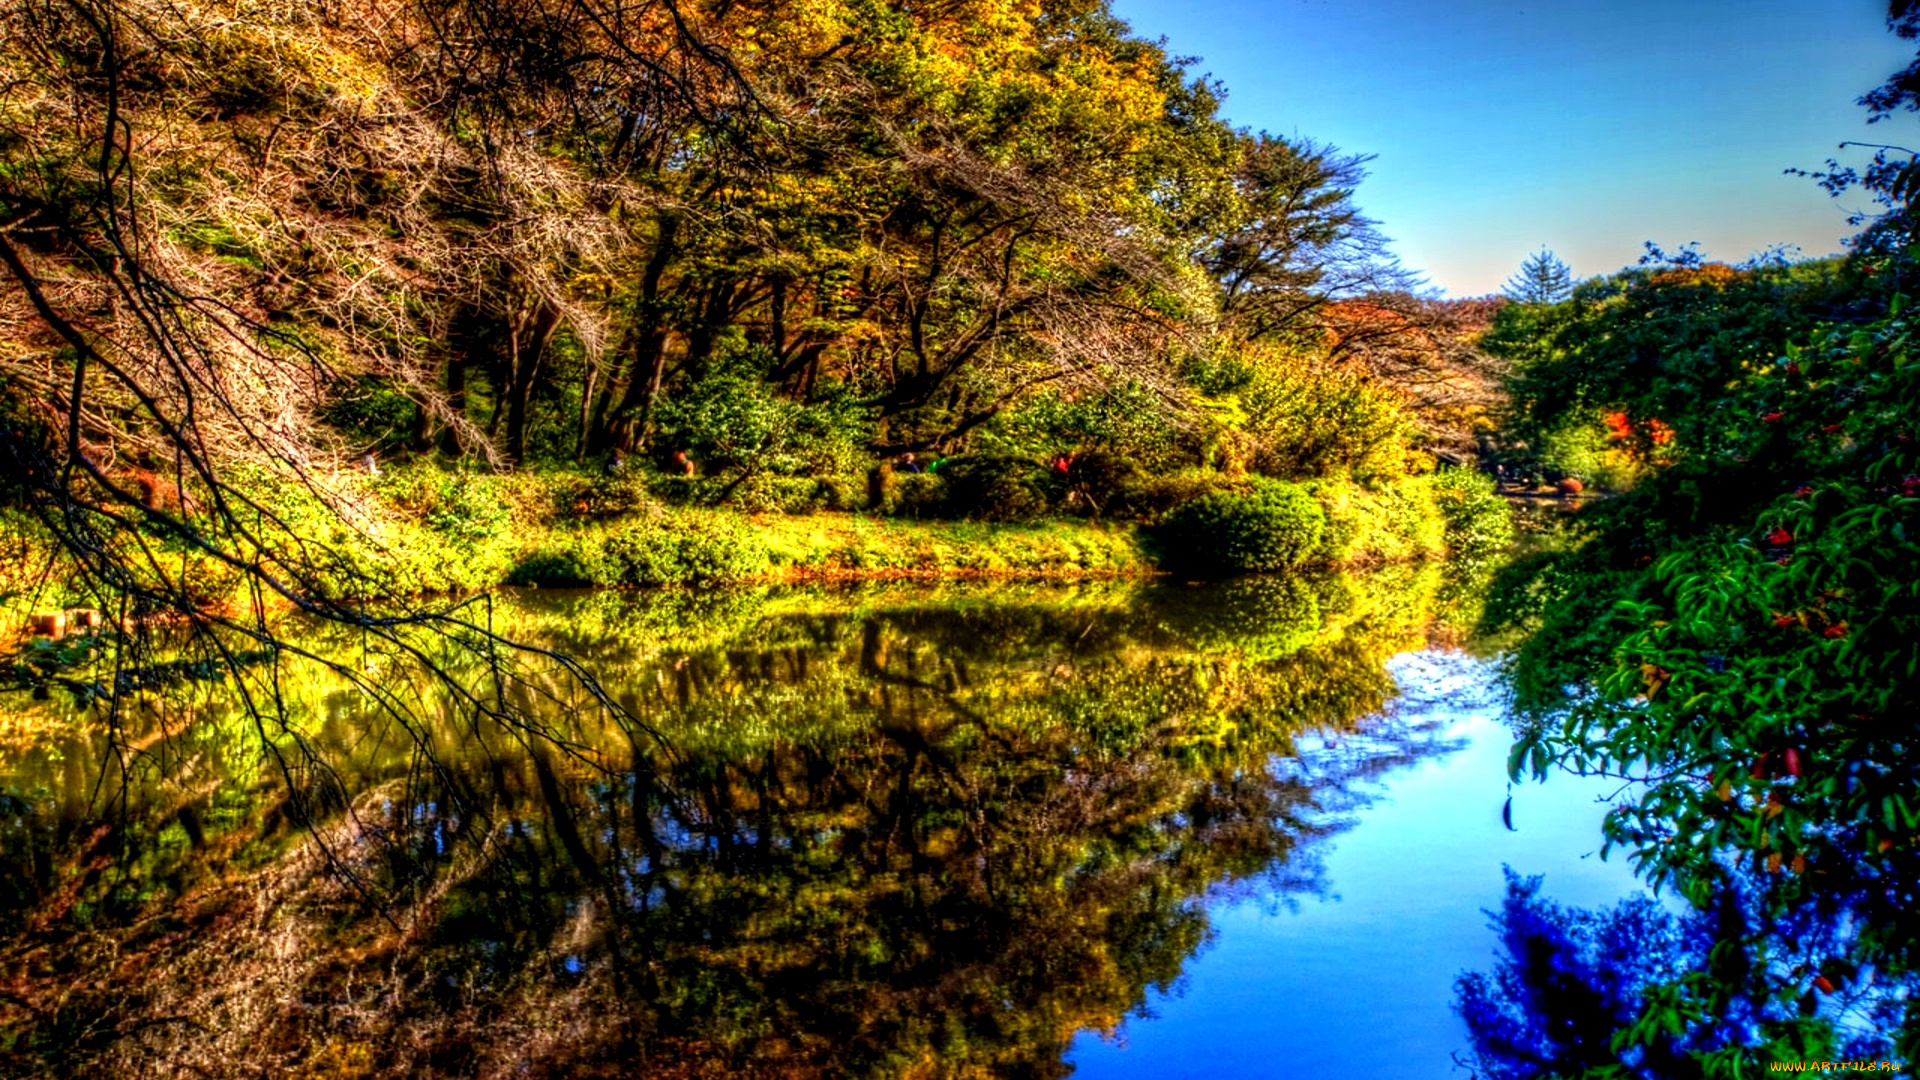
column 1359, row 977
column 1106, row 830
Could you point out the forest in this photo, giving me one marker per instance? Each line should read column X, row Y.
column 356, row 312
column 447, row 272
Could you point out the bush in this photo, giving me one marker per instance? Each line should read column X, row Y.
column 467, row 540
column 916, row 495
column 1579, row 446
column 1273, row 526
column 568, row 564
column 765, row 493
column 372, row 412
column 665, row 548
column 1153, row 497
column 1479, row 522
column 739, row 430
column 684, row 549
column 467, row 509
column 1098, row 482
column 1126, row 421
column 1315, row 420
column 596, row 498
column 1384, row 523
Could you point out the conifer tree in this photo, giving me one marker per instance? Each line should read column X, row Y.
column 1542, row 279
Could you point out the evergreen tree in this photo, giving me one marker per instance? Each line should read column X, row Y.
column 1542, row 279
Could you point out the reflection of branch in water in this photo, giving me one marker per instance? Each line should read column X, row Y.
column 846, row 859
column 173, row 433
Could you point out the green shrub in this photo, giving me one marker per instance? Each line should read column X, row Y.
column 585, row 497
column 372, row 412
column 468, row 519
column 1578, row 446
column 685, row 549
column 1315, row 420
column 738, row 428
column 465, row 508
column 1408, row 525
column 1098, row 482
column 675, row 489
column 1153, row 497
column 1388, row 522
column 1479, row 522
column 765, row 493
column 840, row 492
column 564, row 564
column 1349, row 523
column 1125, row 421
column 1273, row 526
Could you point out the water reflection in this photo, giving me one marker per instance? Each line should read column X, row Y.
column 883, row 832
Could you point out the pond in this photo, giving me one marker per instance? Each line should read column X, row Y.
column 1402, row 912
column 1118, row 829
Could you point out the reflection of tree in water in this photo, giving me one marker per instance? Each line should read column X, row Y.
column 889, row 839
column 1568, row 981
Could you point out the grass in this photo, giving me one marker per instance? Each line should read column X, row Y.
column 420, row 529
column 832, row 546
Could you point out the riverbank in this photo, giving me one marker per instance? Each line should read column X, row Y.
column 422, row 530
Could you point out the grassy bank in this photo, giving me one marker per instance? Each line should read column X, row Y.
column 696, row 546
column 421, row 529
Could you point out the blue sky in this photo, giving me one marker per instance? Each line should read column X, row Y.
column 1586, row 126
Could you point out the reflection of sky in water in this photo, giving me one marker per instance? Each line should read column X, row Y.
column 1360, row 981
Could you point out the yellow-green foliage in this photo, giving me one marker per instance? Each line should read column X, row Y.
column 1479, row 522
column 1581, row 446
column 422, row 529
column 1385, row 522
column 27, row 576
column 836, row 544
column 1311, row 419
column 695, row 546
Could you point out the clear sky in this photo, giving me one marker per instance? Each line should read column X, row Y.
column 1586, row 126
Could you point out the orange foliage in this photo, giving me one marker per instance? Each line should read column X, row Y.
column 1620, row 428
column 1713, row 275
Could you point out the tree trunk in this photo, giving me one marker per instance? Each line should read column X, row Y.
column 649, row 337
column 778, row 331
column 589, row 386
column 643, row 390
column 524, row 371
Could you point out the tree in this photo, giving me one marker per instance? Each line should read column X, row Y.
column 1542, row 279
column 1737, row 630
column 1292, row 240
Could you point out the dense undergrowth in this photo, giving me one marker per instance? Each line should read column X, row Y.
column 1734, row 636
column 425, row 530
